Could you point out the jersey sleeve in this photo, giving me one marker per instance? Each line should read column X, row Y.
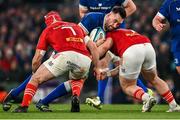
column 83, row 4
column 164, row 9
column 42, row 43
column 88, row 23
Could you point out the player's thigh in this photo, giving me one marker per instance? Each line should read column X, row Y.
column 57, row 64
column 149, row 75
column 79, row 66
column 131, row 62
column 126, row 84
column 149, row 71
column 42, row 74
column 150, row 57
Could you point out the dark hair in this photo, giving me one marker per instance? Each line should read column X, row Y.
column 120, row 10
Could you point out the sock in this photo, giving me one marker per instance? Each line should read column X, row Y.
column 59, row 91
column 16, row 91
column 76, row 86
column 141, row 84
column 101, row 88
column 138, row 94
column 28, row 94
column 145, row 97
column 169, row 98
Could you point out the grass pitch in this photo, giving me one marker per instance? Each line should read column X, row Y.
column 62, row 111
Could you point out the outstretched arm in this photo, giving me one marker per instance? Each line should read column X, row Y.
column 103, row 48
column 37, row 59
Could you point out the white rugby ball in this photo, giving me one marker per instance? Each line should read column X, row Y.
column 97, row 33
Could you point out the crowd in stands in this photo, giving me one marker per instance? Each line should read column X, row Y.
column 21, row 23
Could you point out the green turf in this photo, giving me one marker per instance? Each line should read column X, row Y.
column 108, row 112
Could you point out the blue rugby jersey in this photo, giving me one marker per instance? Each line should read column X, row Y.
column 103, row 6
column 92, row 20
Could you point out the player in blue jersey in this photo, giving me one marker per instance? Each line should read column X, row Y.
column 109, row 22
column 170, row 10
column 90, row 21
column 105, row 6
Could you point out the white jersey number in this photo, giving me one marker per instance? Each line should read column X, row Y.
column 72, row 30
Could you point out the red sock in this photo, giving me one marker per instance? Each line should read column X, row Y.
column 138, row 94
column 76, row 86
column 28, row 94
column 168, row 96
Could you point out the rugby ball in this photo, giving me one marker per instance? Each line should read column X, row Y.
column 97, row 33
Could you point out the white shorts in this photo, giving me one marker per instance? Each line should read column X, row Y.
column 135, row 58
column 77, row 64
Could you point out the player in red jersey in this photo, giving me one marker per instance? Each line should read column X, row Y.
column 137, row 55
column 70, row 43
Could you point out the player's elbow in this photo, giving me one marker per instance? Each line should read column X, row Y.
column 133, row 8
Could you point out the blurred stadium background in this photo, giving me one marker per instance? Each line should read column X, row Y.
column 21, row 22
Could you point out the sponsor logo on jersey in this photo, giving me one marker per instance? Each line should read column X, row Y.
column 74, row 39
column 177, row 9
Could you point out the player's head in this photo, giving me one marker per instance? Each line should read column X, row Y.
column 114, row 18
column 52, row 17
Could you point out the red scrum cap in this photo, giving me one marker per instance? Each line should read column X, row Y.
column 52, row 17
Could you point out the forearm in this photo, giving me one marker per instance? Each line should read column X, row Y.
column 35, row 66
column 37, row 59
column 130, row 8
column 95, row 57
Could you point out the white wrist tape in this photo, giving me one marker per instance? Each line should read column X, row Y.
column 104, row 70
column 114, row 58
column 42, row 52
column 108, row 73
column 110, row 54
column 86, row 39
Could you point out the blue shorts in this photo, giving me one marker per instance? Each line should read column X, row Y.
column 177, row 58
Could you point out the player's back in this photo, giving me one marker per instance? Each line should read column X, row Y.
column 65, row 36
column 124, row 38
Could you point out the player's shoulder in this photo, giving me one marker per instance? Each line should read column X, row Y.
column 168, row 2
column 120, row 30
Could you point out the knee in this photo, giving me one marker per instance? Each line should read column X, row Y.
column 36, row 79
